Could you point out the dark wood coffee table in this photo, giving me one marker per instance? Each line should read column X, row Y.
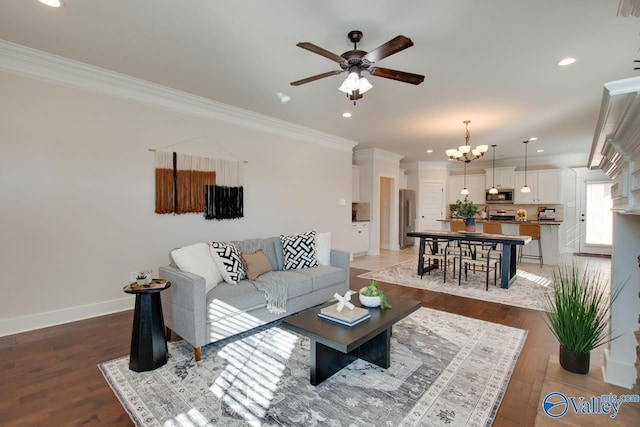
column 334, row 346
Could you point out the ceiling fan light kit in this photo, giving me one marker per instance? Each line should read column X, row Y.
column 356, row 61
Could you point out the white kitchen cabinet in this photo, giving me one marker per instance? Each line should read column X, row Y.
column 475, row 185
column 504, row 177
column 545, row 185
column 355, row 184
column 360, row 237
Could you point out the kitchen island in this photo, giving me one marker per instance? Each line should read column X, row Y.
column 549, row 231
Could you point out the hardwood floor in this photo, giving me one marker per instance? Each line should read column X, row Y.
column 50, row 376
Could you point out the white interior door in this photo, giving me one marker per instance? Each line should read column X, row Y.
column 596, row 218
column 431, row 208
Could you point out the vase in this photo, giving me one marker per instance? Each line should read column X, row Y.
column 369, row 301
column 469, row 224
column 574, row 361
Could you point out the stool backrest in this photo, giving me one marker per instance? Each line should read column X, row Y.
column 492, row 228
column 457, row 225
column 532, row 230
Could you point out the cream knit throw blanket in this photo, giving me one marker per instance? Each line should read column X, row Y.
column 275, row 290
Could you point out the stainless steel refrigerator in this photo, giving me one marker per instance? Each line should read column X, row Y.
column 407, row 217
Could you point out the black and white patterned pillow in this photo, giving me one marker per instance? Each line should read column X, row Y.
column 299, row 250
column 227, row 257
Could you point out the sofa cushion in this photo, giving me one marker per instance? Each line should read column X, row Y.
column 255, row 264
column 197, row 259
column 324, row 276
column 227, row 299
column 267, row 246
column 227, row 258
column 297, row 283
column 299, row 250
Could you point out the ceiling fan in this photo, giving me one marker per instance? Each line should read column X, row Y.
column 356, row 61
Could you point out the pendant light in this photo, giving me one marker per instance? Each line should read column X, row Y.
column 465, row 190
column 525, row 188
column 493, row 189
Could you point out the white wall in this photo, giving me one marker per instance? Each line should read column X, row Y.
column 77, row 195
column 620, row 357
column 374, row 165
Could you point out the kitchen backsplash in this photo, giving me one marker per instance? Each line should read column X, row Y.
column 360, row 212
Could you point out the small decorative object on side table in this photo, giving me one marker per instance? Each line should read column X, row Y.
column 148, row 343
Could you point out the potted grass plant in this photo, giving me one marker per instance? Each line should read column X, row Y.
column 467, row 210
column 578, row 314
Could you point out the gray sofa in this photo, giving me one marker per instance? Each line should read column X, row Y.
column 201, row 318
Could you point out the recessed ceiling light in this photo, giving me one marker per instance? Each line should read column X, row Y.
column 540, row 151
column 533, row 139
column 566, row 61
column 346, row 115
column 429, row 151
column 52, row 3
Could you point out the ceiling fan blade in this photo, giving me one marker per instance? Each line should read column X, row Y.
column 389, row 48
column 320, row 51
column 401, row 76
column 316, row 77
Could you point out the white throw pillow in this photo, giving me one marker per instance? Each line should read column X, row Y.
column 197, row 259
column 323, row 248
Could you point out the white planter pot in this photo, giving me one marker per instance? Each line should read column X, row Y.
column 369, row 301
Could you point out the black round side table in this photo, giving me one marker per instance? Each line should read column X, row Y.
column 148, row 343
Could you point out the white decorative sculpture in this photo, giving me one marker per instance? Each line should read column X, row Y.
column 343, row 301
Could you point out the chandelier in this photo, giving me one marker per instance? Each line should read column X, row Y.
column 465, row 153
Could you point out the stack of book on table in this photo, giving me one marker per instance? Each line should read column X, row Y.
column 345, row 317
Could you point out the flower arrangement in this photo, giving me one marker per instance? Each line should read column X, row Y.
column 521, row 215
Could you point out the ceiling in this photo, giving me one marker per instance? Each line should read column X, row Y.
column 493, row 62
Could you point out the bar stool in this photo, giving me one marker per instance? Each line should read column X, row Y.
column 491, row 227
column 456, row 225
column 532, row 230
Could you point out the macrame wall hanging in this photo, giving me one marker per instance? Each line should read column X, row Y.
column 188, row 184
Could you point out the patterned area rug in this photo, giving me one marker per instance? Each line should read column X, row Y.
column 527, row 291
column 445, row 369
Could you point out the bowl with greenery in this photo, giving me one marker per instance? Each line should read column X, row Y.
column 372, row 296
column 578, row 312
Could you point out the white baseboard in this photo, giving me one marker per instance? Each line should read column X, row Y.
column 52, row 318
column 616, row 372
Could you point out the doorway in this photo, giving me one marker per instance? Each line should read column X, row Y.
column 431, row 201
column 596, row 218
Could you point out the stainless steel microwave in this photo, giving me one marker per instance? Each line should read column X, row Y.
column 502, row 196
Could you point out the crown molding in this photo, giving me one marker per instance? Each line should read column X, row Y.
column 377, row 154
column 21, row 60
